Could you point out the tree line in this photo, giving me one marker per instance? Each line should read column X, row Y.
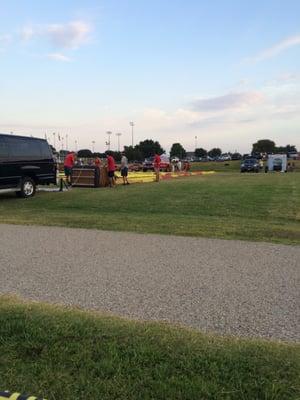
column 148, row 148
column 269, row 147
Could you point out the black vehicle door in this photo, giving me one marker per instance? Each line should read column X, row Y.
column 7, row 171
column 47, row 172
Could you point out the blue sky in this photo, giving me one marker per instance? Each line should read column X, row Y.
column 227, row 72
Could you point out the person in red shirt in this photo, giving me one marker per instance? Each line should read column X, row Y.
column 68, row 165
column 156, row 164
column 97, row 162
column 111, row 167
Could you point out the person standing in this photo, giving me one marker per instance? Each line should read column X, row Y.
column 156, row 163
column 179, row 165
column 111, row 167
column 97, row 162
column 124, row 169
column 68, row 166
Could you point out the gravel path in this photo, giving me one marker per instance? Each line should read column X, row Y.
column 228, row 287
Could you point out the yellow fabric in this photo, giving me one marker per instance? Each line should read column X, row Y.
column 144, row 177
column 15, row 396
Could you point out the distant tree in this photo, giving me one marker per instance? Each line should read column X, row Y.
column 280, row 149
column 148, row 148
column 215, row 152
column 177, row 150
column 264, row 146
column 133, row 153
column 85, row 153
column 285, row 149
column 236, row 156
column 117, row 155
column 200, row 152
column 291, row 149
column 100, row 155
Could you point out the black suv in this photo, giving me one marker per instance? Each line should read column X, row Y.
column 250, row 165
column 24, row 163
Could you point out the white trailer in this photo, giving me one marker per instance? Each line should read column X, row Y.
column 277, row 162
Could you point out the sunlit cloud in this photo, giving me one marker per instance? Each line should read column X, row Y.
column 275, row 50
column 71, row 35
column 227, row 101
column 59, row 57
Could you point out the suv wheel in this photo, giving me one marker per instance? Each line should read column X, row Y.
column 28, row 188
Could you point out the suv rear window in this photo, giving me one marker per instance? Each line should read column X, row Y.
column 45, row 149
column 3, row 149
column 27, row 148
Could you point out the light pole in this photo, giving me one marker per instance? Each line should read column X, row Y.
column 196, row 144
column 93, row 146
column 109, row 133
column 76, row 147
column 132, row 125
column 118, row 135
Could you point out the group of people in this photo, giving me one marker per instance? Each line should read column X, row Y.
column 177, row 165
column 70, row 161
column 111, row 168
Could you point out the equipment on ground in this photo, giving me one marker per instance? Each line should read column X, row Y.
column 277, row 162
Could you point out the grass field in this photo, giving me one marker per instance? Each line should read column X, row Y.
column 228, row 166
column 69, row 354
column 259, row 207
column 251, row 206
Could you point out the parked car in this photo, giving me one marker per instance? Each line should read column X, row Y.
column 277, row 164
column 136, row 166
column 225, row 157
column 294, row 156
column 25, row 162
column 236, row 156
column 148, row 164
column 250, row 165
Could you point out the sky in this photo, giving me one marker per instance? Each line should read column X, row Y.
column 203, row 73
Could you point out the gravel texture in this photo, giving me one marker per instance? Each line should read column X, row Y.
column 228, row 287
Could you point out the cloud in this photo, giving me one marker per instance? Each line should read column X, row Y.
column 286, row 81
column 288, row 77
column 275, row 50
column 227, row 101
column 59, row 57
column 71, row 35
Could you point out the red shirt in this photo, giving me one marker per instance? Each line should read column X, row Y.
column 98, row 162
column 111, row 166
column 157, row 161
column 69, row 160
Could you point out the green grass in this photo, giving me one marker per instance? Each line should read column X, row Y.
column 61, row 353
column 228, row 166
column 224, row 166
column 258, row 207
